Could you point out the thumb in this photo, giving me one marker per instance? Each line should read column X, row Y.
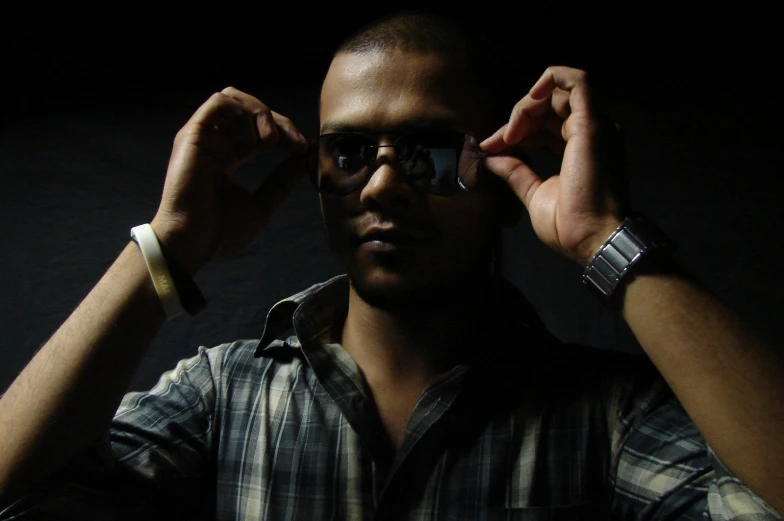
column 517, row 174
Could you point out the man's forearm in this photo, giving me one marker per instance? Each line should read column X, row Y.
column 67, row 395
column 729, row 379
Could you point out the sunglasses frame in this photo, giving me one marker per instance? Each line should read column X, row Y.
column 313, row 153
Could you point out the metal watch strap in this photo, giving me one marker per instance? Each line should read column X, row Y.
column 636, row 238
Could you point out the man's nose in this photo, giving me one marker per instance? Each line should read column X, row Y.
column 387, row 183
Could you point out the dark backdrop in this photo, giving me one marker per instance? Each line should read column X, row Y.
column 92, row 101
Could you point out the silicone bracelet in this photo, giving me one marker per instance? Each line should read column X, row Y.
column 191, row 297
column 144, row 236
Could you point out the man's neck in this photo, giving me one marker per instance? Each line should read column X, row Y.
column 400, row 353
column 415, row 346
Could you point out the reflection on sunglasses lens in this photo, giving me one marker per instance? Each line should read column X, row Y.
column 430, row 161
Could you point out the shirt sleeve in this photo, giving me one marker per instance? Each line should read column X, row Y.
column 661, row 467
column 151, row 463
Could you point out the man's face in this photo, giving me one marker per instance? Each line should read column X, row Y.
column 398, row 242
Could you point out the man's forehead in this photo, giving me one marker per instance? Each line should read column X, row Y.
column 389, row 90
column 411, row 125
column 412, row 67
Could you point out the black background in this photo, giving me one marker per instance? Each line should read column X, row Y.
column 92, row 98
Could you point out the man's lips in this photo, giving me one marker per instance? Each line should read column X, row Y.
column 391, row 238
column 395, row 234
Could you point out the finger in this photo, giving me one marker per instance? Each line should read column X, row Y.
column 575, row 81
column 237, row 124
column 517, row 174
column 278, row 185
column 291, row 137
column 524, row 113
column 580, row 124
column 546, row 115
column 495, row 143
column 273, row 127
column 219, row 113
column 521, row 120
column 226, row 127
column 212, row 130
column 265, row 124
column 206, row 111
column 560, row 103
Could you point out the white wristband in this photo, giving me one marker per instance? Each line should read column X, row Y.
column 145, row 237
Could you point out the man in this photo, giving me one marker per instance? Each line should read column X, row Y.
column 418, row 386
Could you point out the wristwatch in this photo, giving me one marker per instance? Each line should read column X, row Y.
column 637, row 238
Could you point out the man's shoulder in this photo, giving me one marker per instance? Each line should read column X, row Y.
column 246, row 355
column 278, row 339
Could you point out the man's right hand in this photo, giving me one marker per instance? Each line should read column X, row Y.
column 82, row 372
column 203, row 215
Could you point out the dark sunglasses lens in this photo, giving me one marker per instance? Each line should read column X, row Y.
column 343, row 162
column 438, row 162
column 431, row 161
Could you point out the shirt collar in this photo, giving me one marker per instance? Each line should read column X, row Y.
column 311, row 313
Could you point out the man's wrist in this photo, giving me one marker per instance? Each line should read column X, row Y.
column 176, row 278
column 591, row 246
column 177, row 248
column 634, row 241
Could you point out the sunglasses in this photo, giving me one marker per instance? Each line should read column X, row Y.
column 439, row 162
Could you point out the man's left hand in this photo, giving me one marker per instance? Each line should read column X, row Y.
column 575, row 211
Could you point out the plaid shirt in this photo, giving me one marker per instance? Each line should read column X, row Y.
column 284, row 428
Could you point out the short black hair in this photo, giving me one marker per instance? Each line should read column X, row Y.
column 480, row 56
column 410, row 30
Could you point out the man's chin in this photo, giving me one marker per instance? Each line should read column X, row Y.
column 393, row 291
column 406, row 286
